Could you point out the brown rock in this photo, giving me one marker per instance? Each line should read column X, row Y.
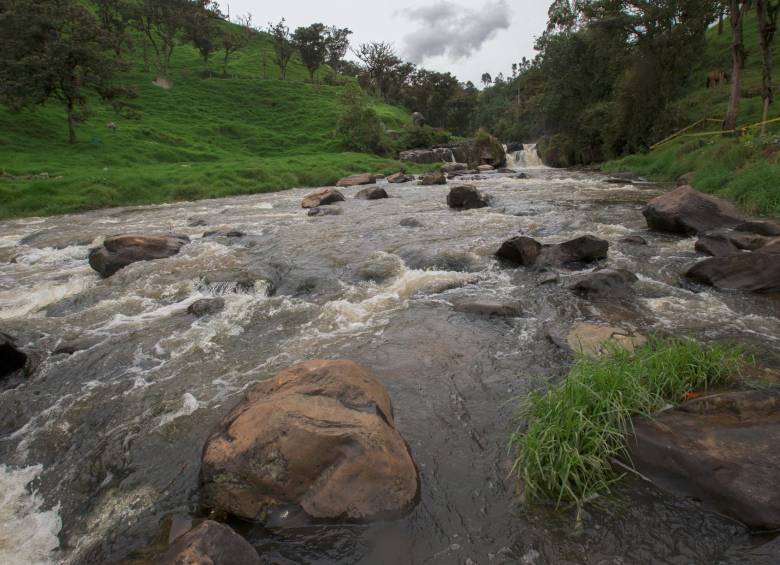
column 488, row 308
column 318, row 436
column 119, row 251
column 322, row 197
column 371, row 193
column 356, row 180
column 398, row 178
column 433, row 178
column 686, row 211
column 594, row 340
column 466, row 197
column 723, row 449
column 210, row 543
column 761, row 227
column 755, row 272
column 521, row 250
column 526, row 251
column 606, row 283
column 715, row 245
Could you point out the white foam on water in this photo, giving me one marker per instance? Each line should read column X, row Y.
column 16, row 303
column 28, row 534
column 189, row 404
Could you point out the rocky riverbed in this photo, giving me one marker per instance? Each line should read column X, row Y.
column 127, row 376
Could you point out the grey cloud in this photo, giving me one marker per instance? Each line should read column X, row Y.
column 446, row 28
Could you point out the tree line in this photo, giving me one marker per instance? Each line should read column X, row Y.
column 608, row 73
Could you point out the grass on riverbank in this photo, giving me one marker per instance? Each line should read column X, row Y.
column 209, row 136
column 577, row 428
column 744, row 169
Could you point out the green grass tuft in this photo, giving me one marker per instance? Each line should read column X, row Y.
column 576, row 429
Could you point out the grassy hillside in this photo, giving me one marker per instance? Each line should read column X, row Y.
column 207, row 137
column 746, row 168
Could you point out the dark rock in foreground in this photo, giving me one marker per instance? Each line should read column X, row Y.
column 488, row 308
column 715, row 245
column 686, row 211
column 634, row 240
column 12, row 358
column 760, row 227
column 206, row 306
column 210, row 543
column 466, row 197
column 755, row 272
column 528, row 252
column 606, row 283
column 429, row 179
column 356, row 180
column 322, row 197
column 119, row 251
column 723, row 449
column 319, row 437
column 371, row 193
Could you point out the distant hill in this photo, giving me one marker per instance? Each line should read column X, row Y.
column 747, row 168
column 207, row 137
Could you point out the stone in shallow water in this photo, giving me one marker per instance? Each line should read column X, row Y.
column 526, row 251
column 371, row 193
column 723, row 449
column 209, row 543
column 356, row 180
column 206, row 306
column 606, row 283
column 466, row 197
column 410, row 223
column 119, row 251
column 398, row 178
column 686, row 211
column 594, row 340
column 429, row 179
column 322, row 197
column 318, row 438
column 754, row 272
column 493, row 308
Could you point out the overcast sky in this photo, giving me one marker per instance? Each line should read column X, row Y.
column 465, row 37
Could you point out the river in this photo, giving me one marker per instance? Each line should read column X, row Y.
column 101, row 444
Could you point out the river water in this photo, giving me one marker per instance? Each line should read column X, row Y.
column 101, row 444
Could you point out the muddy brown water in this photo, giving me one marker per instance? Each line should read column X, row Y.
column 102, row 444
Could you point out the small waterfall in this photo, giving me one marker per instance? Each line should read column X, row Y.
column 526, row 158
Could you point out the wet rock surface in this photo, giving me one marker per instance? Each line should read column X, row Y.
column 208, row 543
column 430, row 179
column 754, row 272
column 206, row 306
column 483, row 307
column 372, row 193
column 12, row 358
column 357, row 180
column 320, row 437
column 329, row 211
column 399, row 178
column 686, row 211
column 526, row 251
column 606, row 284
column 723, row 449
column 466, row 197
column 119, row 251
column 594, row 339
column 324, row 196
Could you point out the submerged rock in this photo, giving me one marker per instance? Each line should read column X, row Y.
column 723, row 449
column 209, row 543
column 466, row 197
column 119, row 251
column 398, row 178
column 606, row 283
column 755, row 272
column 634, row 240
column 371, row 193
column 527, row 252
column 594, row 340
column 429, row 179
column 686, row 211
column 206, row 306
column 322, row 197
column 12, row 358
column 356, row 180
column 488, row 308
column 318, row 437
column 410, row 223
column 238, row 281
column 329, row 211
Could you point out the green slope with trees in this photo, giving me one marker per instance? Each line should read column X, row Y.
column 222, row 129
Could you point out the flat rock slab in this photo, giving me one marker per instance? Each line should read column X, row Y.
column 686, row 211
column 595, row 340
column 754, row 272
column 356, row 180
column 319, row 439
column 322, row 197
column 492, row 308
column 723, row 449
column 399, row 178
column 119, row 251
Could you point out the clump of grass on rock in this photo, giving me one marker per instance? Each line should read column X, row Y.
column 579, row 427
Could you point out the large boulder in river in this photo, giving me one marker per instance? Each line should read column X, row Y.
column 119, row 251
column 12, row 358
column 528, row 252
column 466, row 197
column 723, row 449
column 318, row 437
column 486, row 150
column 354, row 180
column 430, row 179
column 322, row 197
column 371, row 193
column 755, row 272
column 686, row 211
column 760, row 227
column 715, row 244
column 606, row 283
column 210, row 543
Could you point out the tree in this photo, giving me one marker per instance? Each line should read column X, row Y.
column 283, row 47
column 378, row 59
column 359, row 128
column 54, row 49
column 115, row 16
column 161, row 22
column 767, row 11
column 337, row 44
column 202, row 28
column 487, row 80
column 312, row 43
column 737, row 9
column 235, row 38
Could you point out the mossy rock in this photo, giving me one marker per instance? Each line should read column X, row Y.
column 486, row 150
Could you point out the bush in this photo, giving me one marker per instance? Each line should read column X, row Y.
column 577, row 428
column 420, row 137
column 359, row 128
